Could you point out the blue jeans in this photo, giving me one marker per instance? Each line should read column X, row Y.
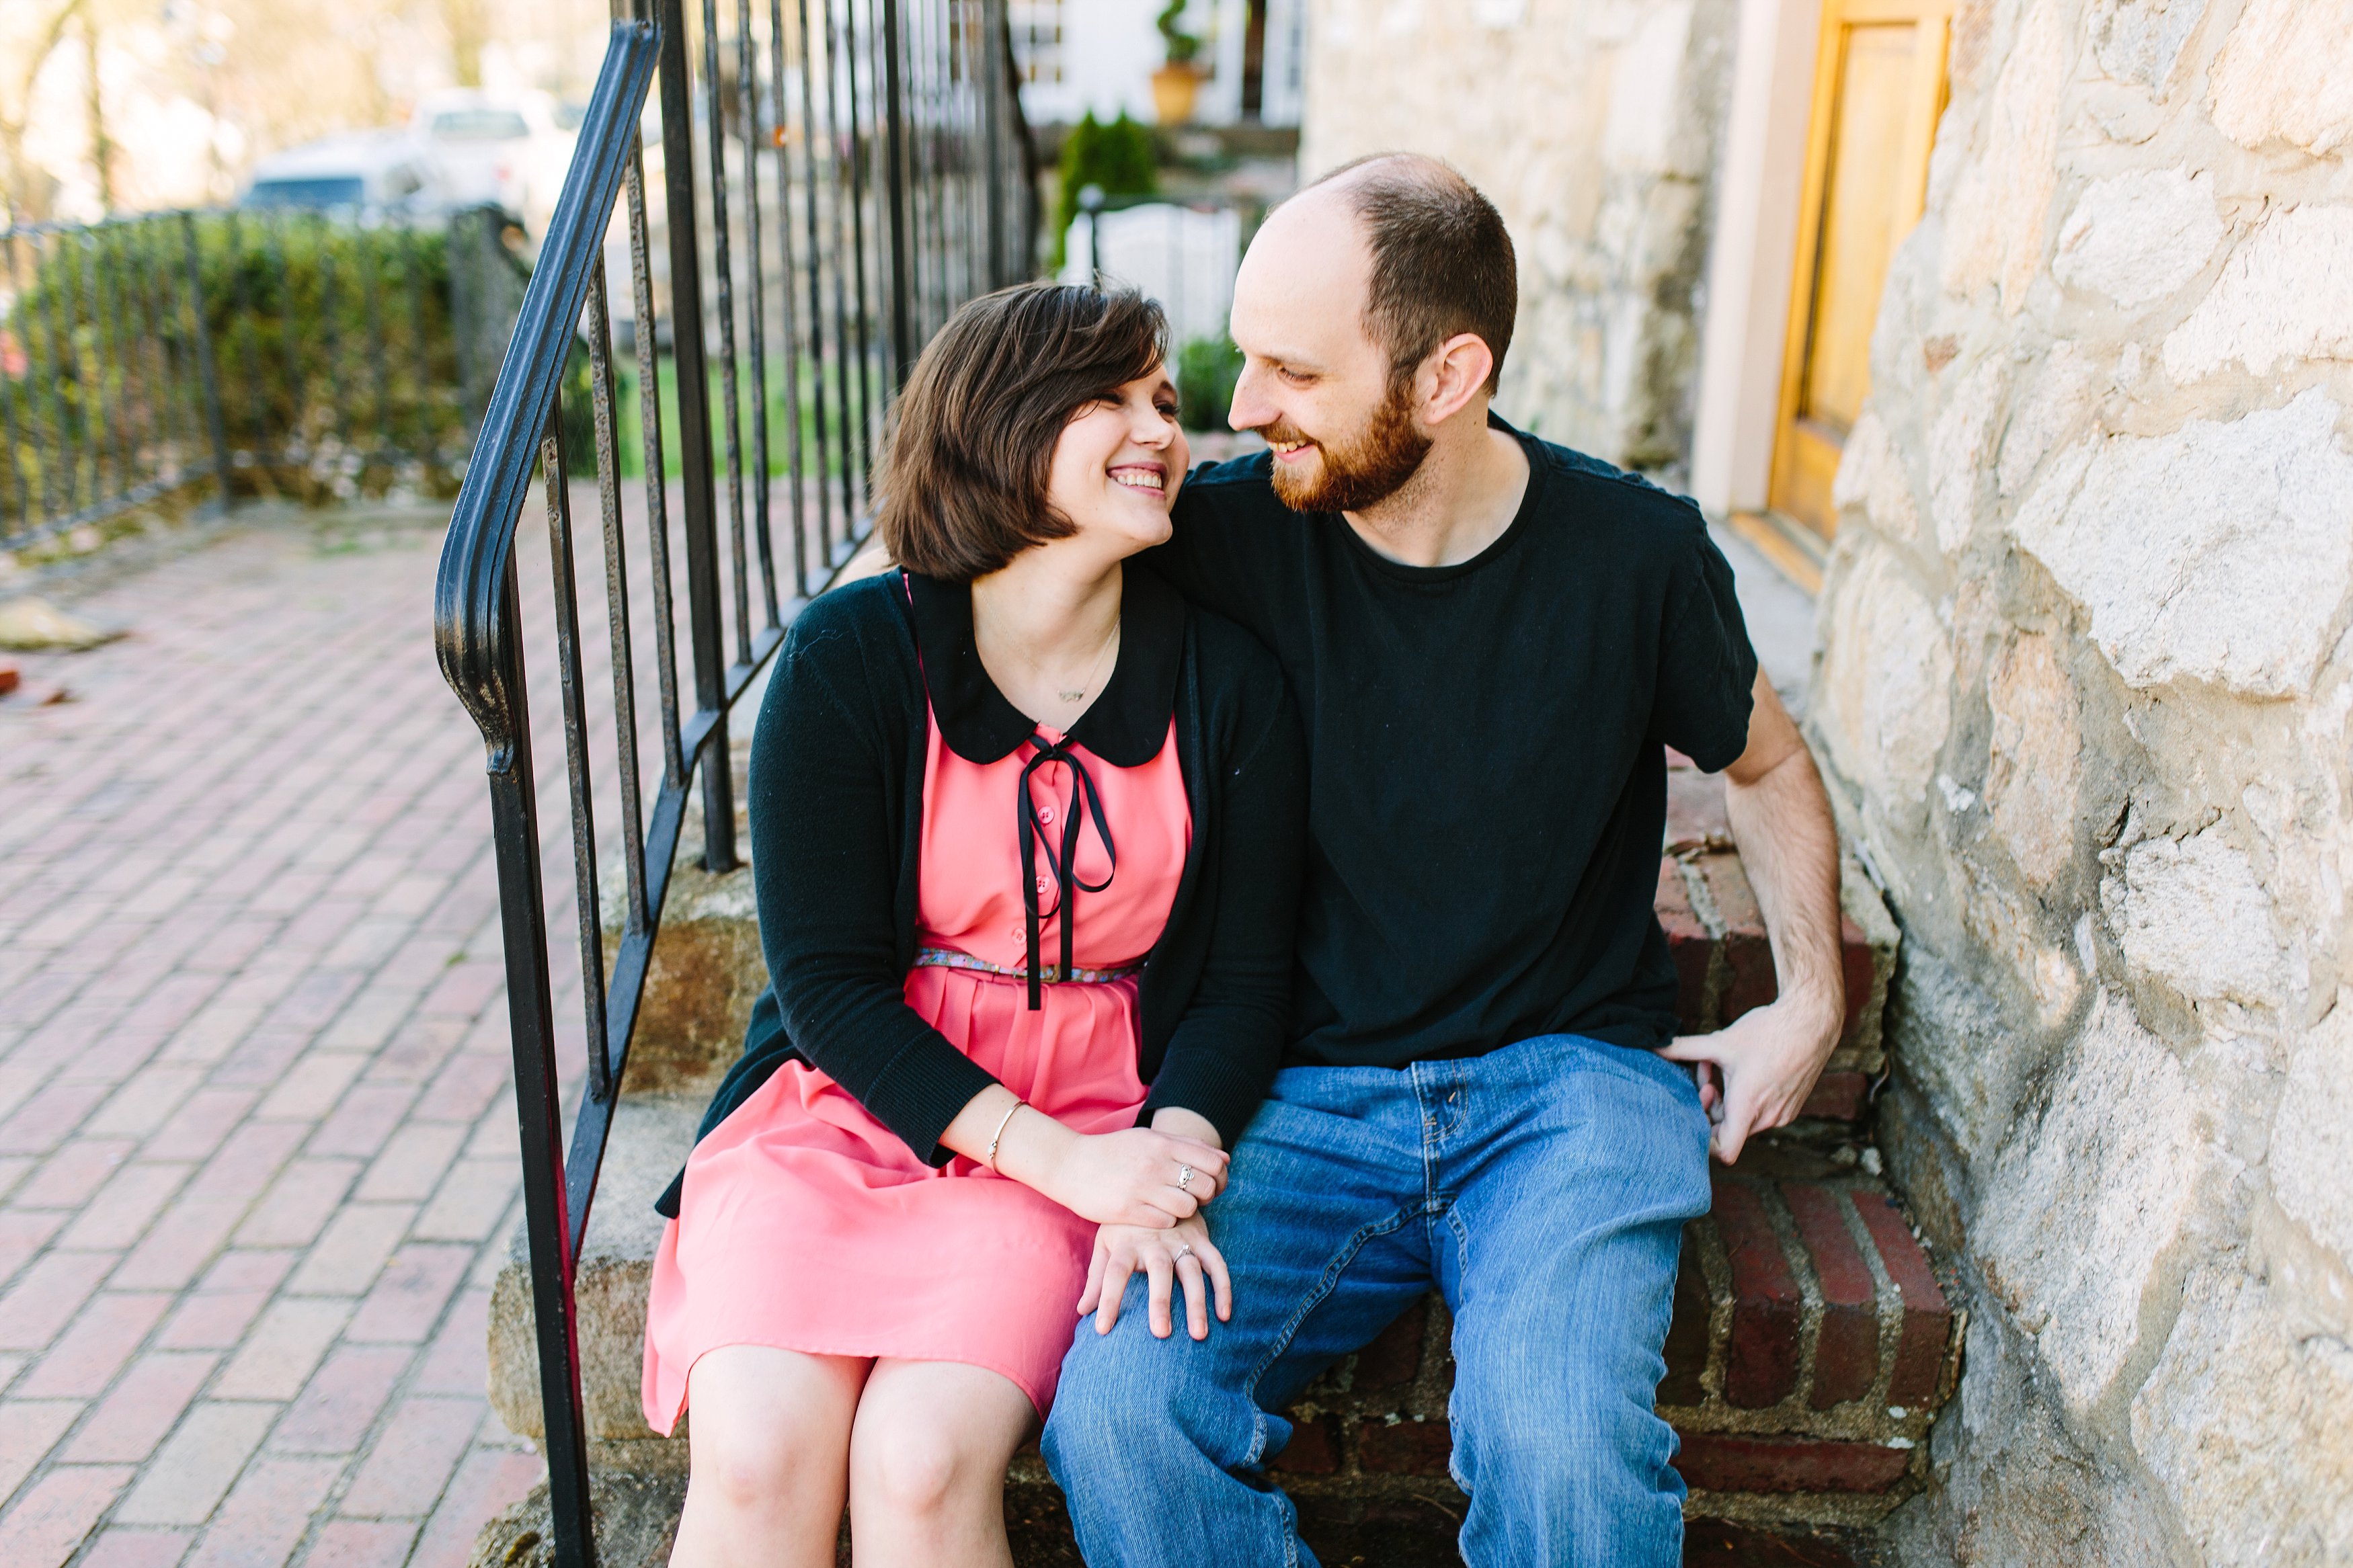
column 1543, row 1187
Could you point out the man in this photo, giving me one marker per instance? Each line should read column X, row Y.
column 1492, row 639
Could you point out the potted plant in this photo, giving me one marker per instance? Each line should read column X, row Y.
column 1177, row 84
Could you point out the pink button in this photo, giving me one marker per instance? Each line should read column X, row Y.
column 1045, row 814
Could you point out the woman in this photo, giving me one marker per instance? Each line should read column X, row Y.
column 1026, row 836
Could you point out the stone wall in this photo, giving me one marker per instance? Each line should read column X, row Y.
column 2087, row 696
column 1593, row 125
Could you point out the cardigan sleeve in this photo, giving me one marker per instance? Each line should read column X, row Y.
column 1225, row 1048
column 823, row 871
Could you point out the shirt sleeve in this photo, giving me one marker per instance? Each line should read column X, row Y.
column 1208, row 558
column 1707, row 668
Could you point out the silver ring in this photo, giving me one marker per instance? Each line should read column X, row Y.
column 1183, row 1253
column 1184, row 1178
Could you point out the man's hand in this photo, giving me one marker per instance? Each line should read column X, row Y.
column 1756, row 1073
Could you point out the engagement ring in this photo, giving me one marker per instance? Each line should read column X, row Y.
column 1184, row 1178
column 1183, row 1253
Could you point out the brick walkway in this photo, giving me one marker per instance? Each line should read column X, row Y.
column 257, row 1152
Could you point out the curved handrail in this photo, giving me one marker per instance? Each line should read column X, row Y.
column 470, row 623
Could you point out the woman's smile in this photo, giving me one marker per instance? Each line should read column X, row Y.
column 1152, row 477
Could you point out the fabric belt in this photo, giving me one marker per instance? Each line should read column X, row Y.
column 1051, row 974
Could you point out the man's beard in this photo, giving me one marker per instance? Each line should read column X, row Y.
column 1364, row 473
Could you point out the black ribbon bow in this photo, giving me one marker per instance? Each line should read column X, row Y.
column 1067, row 883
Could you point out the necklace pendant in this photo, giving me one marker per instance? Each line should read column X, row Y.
column 1071, row 695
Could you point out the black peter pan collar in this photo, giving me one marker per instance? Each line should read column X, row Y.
column 1126, row 726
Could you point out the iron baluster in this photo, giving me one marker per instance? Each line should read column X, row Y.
column 747, row 93
column 902, row 359
column 723, row 279
column 617, row 604
column 860, row 150
column 839, row 170
column 816, row 284
column 785, row 295
column 575, row 745
column 645, row 339
column 539, row 1108
column 692, row 372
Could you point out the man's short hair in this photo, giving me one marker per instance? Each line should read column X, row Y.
column 1442, row 260
column 964, row 467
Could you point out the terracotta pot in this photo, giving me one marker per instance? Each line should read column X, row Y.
column 1174, row 89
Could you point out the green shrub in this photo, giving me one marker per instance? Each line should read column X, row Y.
column 1207, row 369
column 1121, row 159
column 347, row 356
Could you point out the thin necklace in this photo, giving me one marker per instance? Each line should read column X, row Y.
column 1108, row 643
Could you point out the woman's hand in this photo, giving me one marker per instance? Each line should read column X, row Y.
column 1183, row 1252
column 1150, row 1178
column 1133, row 1177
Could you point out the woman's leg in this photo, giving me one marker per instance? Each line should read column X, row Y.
column 927, row 1461
column 768, row 1437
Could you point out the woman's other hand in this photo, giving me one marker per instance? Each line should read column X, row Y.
column 1181, row 1253
column 1133, row 1177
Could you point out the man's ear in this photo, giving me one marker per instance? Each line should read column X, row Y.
column 1455, row 375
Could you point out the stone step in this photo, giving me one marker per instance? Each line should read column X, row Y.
column 1810, row 1348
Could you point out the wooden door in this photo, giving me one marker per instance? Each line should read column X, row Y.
column 1879, row 85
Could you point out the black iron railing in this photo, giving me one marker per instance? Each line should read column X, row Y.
column 835, row 176
column 316, row 355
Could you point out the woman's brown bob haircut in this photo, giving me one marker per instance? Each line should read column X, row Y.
column 964, row 467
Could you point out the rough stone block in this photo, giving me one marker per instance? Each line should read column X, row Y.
column 707, row 967
column 650, row 1142
column 2214, row 553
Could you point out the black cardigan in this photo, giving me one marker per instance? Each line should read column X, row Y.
column 836, row 804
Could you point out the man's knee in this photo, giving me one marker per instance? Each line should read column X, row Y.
column 1114, row 1394
column 1571, row 1467
column 1128, row 1402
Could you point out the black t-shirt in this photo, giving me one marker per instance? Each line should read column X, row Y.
column 1487, row 790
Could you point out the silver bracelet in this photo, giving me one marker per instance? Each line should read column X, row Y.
column 998, row 1136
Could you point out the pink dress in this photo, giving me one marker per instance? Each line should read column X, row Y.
column 807, row 1224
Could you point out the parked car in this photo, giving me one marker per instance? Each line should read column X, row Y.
column 383, row 170
column 509, row 150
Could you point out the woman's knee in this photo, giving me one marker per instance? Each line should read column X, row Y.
column 917, row 1469
column 768, row 1430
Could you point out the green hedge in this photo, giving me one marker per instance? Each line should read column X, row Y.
column 347, row 356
